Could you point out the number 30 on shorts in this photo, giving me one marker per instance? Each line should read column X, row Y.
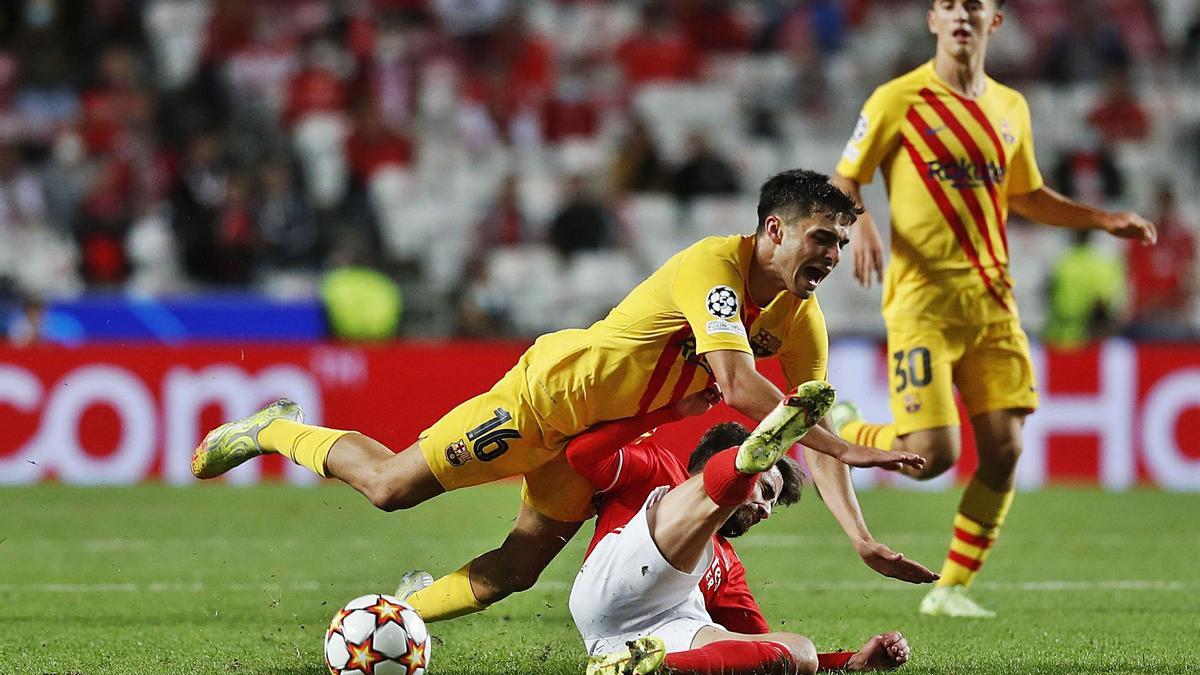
column 912, row 367
column 488, row 442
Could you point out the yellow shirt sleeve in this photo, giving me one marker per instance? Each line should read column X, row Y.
column 1024, row 175
column 805, row 353
column 876, row 134
column 708, row 290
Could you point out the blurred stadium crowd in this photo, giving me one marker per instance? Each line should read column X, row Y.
column 516, row 166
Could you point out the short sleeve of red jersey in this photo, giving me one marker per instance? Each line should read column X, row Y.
column 875, row 135
column 638, row 466
column 708, row 290
column 732, row 604
column 1024, row 175
column 804, row 355
column 596, row 453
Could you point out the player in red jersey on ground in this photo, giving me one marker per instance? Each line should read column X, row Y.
column 636, row 610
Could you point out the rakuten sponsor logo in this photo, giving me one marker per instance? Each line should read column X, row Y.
column 145, row 413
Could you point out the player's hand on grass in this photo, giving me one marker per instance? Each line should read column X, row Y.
column 861, row 456
column 867, row 247
column 1127, row 225
column 879, row 557
column 696, row 404
column 882, row 652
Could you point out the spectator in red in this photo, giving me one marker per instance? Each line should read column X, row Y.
column 661, row 52
column 572, row 110
column 102, row 223
column 503, row 224
column 236, row 237
column 116, row 102
column 527, row 57
column 1163, row 277
column 1119, row 115
column 318, row 87
column 714, row 26
column 373, row 146
column 230, row 30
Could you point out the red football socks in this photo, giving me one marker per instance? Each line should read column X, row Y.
column 733, row 657
column 833, row 660
column 725, row 485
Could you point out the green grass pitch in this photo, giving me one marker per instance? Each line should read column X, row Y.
column 217, row 579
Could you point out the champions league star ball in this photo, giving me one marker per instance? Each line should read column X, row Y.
column 377, row 635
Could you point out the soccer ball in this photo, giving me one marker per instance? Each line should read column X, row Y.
column 377, row 635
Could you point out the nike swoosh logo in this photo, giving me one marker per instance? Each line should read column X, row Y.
column 931, row 132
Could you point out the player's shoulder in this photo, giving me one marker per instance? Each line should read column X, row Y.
column 904, row 85
column 728, row 246
column 714, row 257
column 1005, row 93
column 649, row 449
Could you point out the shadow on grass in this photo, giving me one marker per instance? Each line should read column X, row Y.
column 315, row 669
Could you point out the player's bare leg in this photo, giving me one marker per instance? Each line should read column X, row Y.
column 998, row 437
column 513, row 567
column 683, row 523
column 389, row 480
column 801, row 651
column 516, row 565
column 940, row 446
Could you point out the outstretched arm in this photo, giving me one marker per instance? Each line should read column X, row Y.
column 1047, row 206
column 753, row 395
column 832, row 479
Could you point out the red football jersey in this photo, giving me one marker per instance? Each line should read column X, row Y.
column 624, row 481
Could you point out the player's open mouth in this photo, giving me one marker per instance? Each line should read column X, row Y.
column 814, row 275
column 962, row 35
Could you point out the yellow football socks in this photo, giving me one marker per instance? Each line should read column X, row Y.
column 878, row 436
column 304, row 444
column 981, row 512
column 447, row 598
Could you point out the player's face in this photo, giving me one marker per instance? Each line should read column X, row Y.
column 808, row 250
column 756, row 509
column 962, row 27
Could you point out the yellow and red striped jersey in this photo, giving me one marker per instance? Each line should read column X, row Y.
column 950, row 164
column 649, row 351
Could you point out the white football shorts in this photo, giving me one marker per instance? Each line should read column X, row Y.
column 627, row 590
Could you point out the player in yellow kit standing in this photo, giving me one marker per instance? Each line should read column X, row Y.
column 701, row 319
column 956, row 151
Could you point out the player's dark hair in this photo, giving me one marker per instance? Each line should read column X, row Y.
column 716, row 439
column 800, row 193
column 793, row 480
column 729, row 434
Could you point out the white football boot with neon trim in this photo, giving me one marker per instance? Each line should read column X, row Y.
column 954, row 601
column 643, row 656
column 798, row 412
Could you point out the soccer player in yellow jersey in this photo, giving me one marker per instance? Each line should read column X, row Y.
column 956, row 152
column 701, row 319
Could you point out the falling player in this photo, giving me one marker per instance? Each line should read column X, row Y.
column 661, row 586
column 703, row 317
column 956, row 151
